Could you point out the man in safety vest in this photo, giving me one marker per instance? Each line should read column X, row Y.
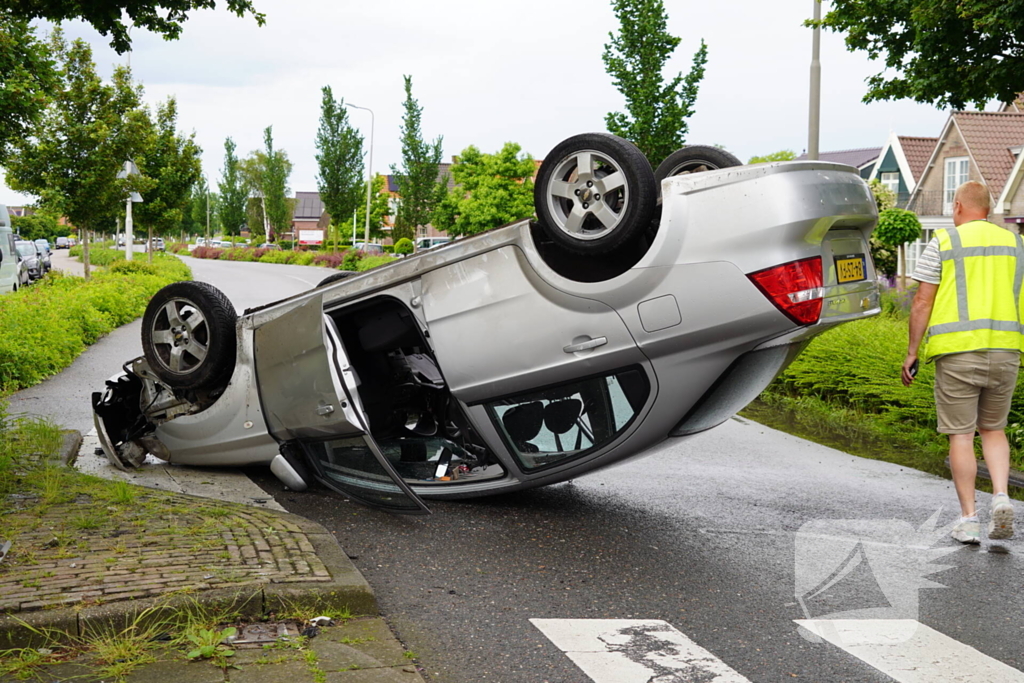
column 969, row 302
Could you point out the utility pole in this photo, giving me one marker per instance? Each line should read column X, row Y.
column 207, row 182
column 814, row 115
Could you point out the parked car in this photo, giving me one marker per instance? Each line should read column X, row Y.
column 44, row 253
column 13, row 272
column 369, row 248
column 158, row 244
column 62, row 243
column 642, row 306
column 431, row 242
column 270, row 245
column 30, row 256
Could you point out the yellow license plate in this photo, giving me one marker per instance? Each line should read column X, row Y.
column 850, row 268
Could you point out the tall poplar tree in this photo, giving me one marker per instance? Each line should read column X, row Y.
column 172, row 161
column 233, row 193
column 635, row 59
column 340, row 159
column 419, row 187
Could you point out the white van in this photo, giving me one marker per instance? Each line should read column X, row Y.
column 10, row 271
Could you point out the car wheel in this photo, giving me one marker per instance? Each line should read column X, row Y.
column 595, row 193
column 188, row 335
column 694, row 159
column 334, row 277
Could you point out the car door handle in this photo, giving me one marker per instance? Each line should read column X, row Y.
column 585, row 346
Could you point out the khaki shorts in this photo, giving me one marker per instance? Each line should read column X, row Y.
column 973, row 390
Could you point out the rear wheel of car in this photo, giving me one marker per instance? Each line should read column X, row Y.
column 334, row 277
column 694, row 159
column 595, row 193
column 188, row 335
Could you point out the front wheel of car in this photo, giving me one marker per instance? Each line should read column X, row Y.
column 595, row 193
column 188, row 335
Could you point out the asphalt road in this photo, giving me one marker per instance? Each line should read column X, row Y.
column 727, row 538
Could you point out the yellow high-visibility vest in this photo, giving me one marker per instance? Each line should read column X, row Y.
column 978, row 303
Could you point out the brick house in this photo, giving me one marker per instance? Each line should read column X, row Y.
column 981, row 146
column 901, row 164
column 309, row 214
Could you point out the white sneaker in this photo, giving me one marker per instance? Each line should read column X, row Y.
column 967, row 530
column 1001, row 524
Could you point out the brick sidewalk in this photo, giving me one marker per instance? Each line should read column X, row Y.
column 199, row 545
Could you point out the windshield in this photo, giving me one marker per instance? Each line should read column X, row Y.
column 26, row 248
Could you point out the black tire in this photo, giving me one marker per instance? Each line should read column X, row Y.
column 694, row 159
column 334, row 277
column 584, row 213
column 188, row 335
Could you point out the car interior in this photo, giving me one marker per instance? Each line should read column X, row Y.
column 412, row 416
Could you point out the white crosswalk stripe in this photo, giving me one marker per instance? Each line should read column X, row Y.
column 634, row 651
column 911, row 652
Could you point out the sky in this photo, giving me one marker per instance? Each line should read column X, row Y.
column 487, row 73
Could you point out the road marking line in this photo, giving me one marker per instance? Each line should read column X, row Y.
column 911, row 652
column 634, row 651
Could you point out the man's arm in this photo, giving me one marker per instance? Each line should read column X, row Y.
column 920, row 312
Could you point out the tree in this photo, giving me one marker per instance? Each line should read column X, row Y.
column 72, row 158
column 27, row 74
column 884, row 255
column 895, row 228
column 379, row 211
column 945, row 52
column 163, row 17
column 233, row 193
column 418, row 185
column 635, row 59
column 265, row 173
column 340, row 158
column 173, row 161
column 781, row 155
column 490, row 190
column 39, row 225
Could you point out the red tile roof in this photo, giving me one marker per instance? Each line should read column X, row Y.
column 917, row 151
column 989, row 137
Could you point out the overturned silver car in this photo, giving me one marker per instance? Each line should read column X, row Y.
column 640, row 306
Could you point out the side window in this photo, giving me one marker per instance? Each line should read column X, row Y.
column 563, row 422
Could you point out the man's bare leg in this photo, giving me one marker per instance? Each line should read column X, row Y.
column 965, row 469
column 996, row 450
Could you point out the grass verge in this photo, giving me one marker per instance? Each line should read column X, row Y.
column 43, row 328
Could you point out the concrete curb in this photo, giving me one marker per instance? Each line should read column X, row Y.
column 70, row 446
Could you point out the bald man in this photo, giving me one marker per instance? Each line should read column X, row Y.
column 968, row 302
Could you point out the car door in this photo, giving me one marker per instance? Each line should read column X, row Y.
column 310, row 396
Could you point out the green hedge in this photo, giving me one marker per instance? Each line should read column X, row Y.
column 100, row 254
column 43, row 328
column 857, row 367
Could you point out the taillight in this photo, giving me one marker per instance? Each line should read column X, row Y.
column 794, row 287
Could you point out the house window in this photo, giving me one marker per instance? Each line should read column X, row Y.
column 891, row 181
column 956, row 175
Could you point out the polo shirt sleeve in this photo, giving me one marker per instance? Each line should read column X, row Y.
column 929, row 264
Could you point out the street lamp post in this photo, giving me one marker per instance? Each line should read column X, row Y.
column 814, row 114
column 369, row 174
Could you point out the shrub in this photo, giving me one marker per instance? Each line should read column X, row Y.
column 371, row 262
column 329, row 260
column 303, row 258
column 352, row 259
column 43, row 328
column 178, row 248
column 404, row 246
